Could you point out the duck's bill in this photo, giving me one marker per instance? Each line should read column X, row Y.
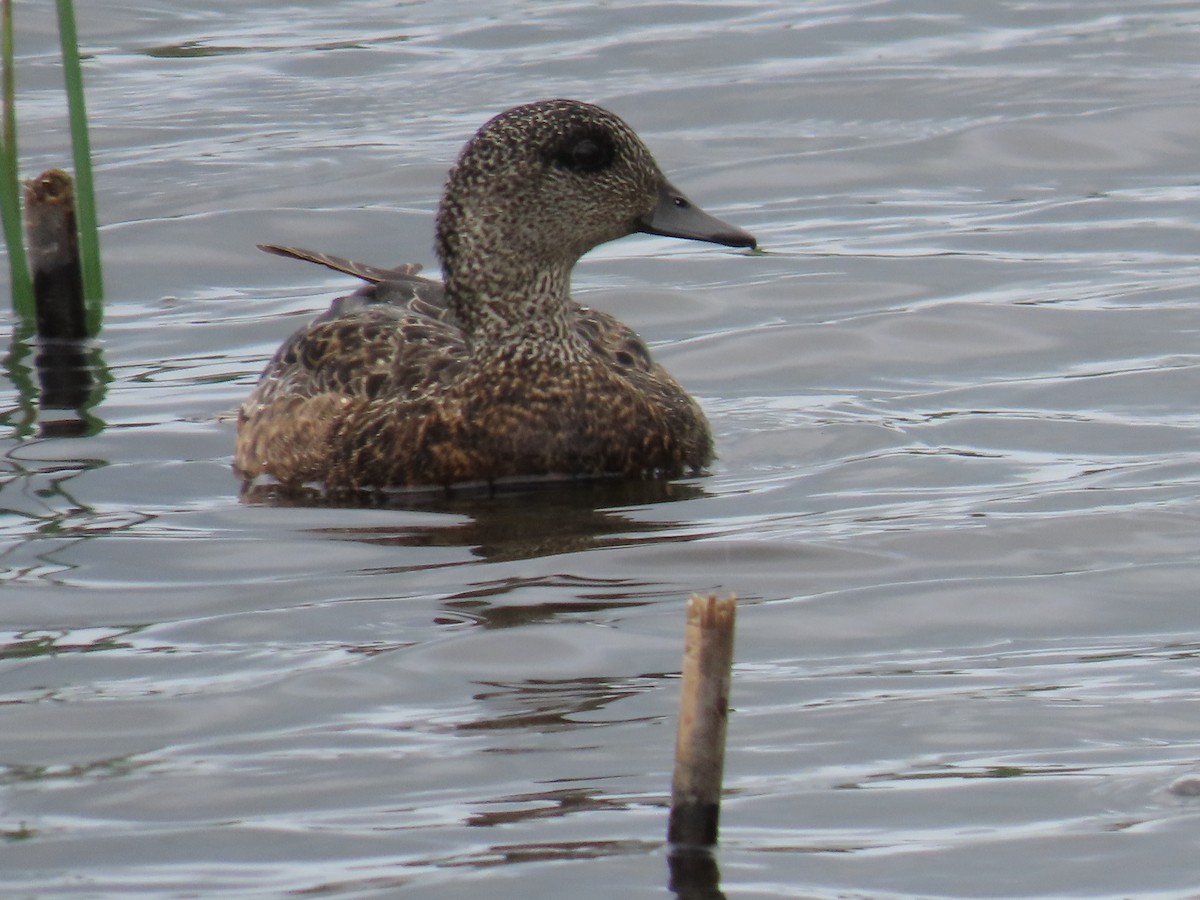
column 677, row 216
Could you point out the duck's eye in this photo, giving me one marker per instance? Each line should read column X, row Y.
column 587, row 154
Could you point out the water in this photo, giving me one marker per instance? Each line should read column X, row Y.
column 955, row 406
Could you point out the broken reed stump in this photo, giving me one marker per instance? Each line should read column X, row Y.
column 63, row 361
column 53, row 242
column 703, row 712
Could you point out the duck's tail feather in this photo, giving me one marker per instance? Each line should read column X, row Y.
column 373, row 274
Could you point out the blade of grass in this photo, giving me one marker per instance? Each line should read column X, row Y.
column 85, row 195
column 10, row 188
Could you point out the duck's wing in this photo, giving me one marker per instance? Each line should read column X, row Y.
column 390, row 340
column 393, row 337
column 372, row 351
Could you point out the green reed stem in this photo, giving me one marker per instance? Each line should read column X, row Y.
column 85, row 194
column 10, row 187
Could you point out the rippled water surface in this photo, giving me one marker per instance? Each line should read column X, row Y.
column 955, row 401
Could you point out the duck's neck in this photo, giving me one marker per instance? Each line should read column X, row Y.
column 509, row 301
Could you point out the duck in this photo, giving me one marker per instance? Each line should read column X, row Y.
column 495, row 374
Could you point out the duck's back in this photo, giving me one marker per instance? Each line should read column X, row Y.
column 380, row 391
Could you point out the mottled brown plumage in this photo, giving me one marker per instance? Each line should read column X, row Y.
column 497, row 374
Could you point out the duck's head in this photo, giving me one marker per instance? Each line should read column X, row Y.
column 546, row 182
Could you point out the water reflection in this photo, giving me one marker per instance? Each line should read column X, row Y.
column 530, row 523
column 71, row 378
column 618, row 594
column 553, row 705
column 694, row 874
column 546, row 804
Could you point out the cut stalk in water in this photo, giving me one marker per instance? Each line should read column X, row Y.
column 703, row 711
column 54, row 257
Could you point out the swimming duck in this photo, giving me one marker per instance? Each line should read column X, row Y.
column 496, row 374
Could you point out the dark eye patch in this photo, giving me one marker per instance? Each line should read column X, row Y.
column 583, row 152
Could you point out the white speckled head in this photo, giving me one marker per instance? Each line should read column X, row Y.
column 547, row 182
column 537, row 187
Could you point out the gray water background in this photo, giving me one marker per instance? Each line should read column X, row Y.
column 955, row 403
